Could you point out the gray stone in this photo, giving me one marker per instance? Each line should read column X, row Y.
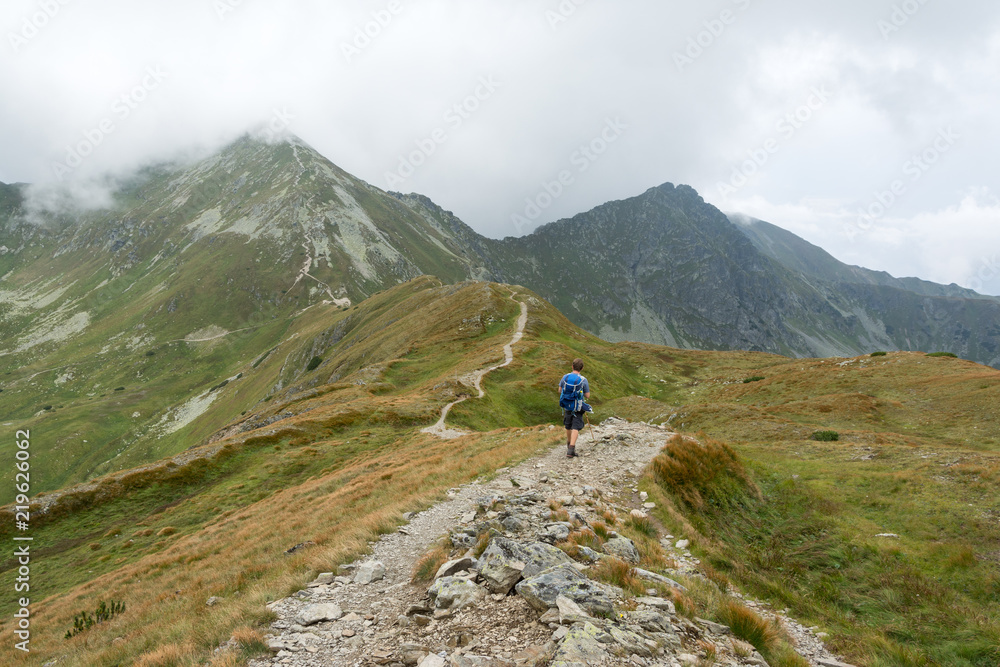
column 368, row 572
column 658, row 603
column 650, row 621
column 828, row 662
column 555, row 532
column 622, row 547
column 513, row 523
column 570, row 612
column 542, row 590
column 580, row 647
column 505, row 562
column 455, row 566
column 322, row 580
column 683, row 544
column 454, row 594
column 317, row 613
column 589, row 554
column 652, row 576
column 630, row 641
column 712, row 627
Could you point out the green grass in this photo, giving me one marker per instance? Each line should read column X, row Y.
column 810, row 544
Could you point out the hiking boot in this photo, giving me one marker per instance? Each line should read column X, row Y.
column 571, row 454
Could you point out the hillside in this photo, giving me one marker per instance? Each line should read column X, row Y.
column 120, row 325
column 336, row 456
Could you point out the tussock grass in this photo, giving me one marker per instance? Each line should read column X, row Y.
column 703, row 474
column 428, row 564
column 601, row 529
column 250, row 642
column 617, row 572
column 642, row 525
column 482, row 543
column 559, row 515
column 749, row 626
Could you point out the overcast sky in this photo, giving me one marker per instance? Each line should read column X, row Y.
column 865, row 126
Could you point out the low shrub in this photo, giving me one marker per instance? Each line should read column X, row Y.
column 943, row 354
column 755, row 378
column 314, row 364
column 84, row 620
column 878, row 354
column 825, row 436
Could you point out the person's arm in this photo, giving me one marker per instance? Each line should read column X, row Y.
column 586, row 385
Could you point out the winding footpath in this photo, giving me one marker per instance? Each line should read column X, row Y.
column 440, row 429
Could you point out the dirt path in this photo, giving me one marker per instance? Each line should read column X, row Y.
column 440, row 429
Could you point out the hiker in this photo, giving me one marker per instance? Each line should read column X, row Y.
column 573, row 389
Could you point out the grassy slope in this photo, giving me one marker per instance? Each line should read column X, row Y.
column 350, row 459
column 917, row 458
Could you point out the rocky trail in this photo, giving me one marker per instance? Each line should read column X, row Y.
column 522, row 601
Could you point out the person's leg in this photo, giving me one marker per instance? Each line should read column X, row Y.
column 573, row 435
column 568, row 423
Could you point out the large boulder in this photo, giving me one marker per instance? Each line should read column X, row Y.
column 453, row 593
column 505, row 562
column 542, row 590
column 623, row 548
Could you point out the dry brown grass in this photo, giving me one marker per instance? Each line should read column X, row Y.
column 241, row 556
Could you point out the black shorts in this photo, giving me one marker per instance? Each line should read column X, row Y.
column 573, row 421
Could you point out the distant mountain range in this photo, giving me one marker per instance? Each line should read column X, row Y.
column 264, row 229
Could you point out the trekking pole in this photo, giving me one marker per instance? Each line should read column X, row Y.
column 593, row 438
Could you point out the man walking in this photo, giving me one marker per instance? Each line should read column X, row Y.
column 573, row 389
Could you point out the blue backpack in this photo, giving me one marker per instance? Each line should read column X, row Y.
column 571, row 397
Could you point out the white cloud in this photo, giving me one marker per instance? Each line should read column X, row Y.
column 888, row 97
